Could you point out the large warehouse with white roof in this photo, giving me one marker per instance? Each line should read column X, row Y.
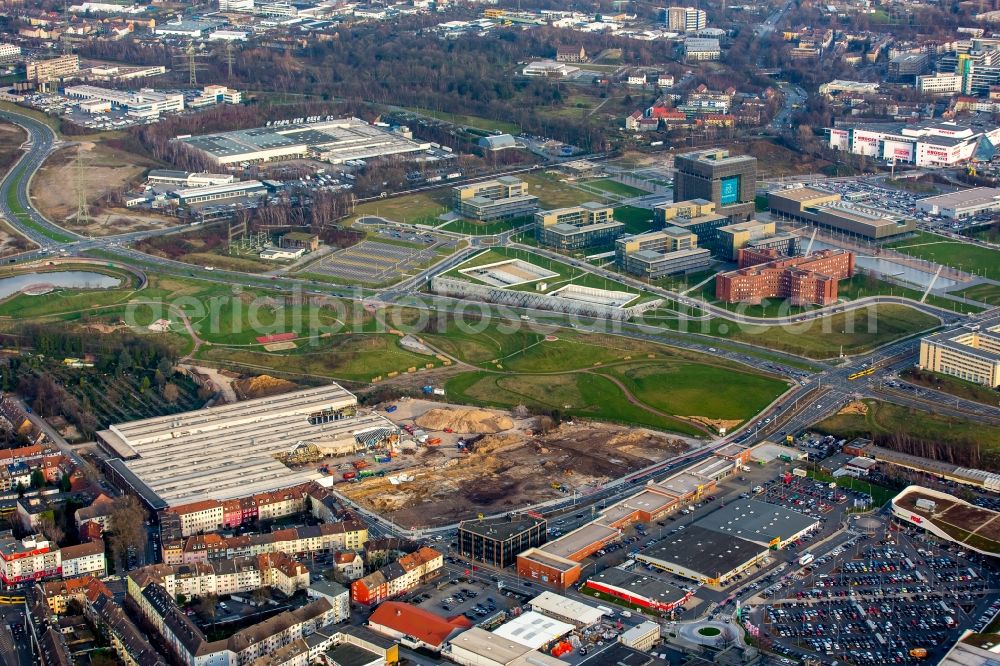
column 229, row 451
column 334, row 141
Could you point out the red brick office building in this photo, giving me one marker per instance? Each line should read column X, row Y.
column 767, row 274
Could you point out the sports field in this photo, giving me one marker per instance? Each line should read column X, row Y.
column 956, row 254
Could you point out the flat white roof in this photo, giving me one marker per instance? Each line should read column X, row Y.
column 228, row 451
column 565, row 607
column 533, row 630
column 975, row 197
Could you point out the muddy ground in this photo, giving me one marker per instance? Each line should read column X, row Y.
column 504, row 471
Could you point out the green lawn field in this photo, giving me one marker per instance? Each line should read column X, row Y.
column 956, row 254
column 697, row 389
column 615, row 187
column 576, row 394
column 351, row 357
column 984, row 293
column 885, row 418
column 471, row 121
column 419, row 208
column 553, row 192
column 636, row 220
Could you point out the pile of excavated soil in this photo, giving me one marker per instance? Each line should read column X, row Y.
column 262, row 386
column 465, row 421
column 728, row 424
column 856, row 407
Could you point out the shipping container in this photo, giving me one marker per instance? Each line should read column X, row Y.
column 350, row 475
column 433, row 441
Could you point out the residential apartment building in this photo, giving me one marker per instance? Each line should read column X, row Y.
column 126, row 639
column 398, row 577
column 85, row 558
column 499, row 199
column 58, row 593
column 190, row 646
column 9, row 52
column 701, row 48
column 728, row 181
column 805, row 280
column 697, row 216
column 98, row 512
column 497, row 541
column 657, row 254
column 31, row 558
column 686, row 19
column 229, row 576
column 326, row 538
column 587, row 225
column 970, row 352
column 213, row 515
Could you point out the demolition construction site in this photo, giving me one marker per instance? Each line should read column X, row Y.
column 452, row 463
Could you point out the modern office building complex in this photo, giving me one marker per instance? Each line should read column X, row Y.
column 334, row 141
column 657, row 254
column 499, row 199
column 803, row 280
column 753, row 234
column 587, row 225
column 962, row 204
column 728, row 181
column 686, row 19
column 497, row 541
column 697, row 216
column 970, row 352
column 931, row 143
column 827, row 210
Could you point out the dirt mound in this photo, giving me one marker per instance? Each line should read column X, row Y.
column 466, row 421
column 716, row 424
column 855, row 407
column 263, row 386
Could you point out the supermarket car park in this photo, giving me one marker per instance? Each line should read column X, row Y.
column 876, row 600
